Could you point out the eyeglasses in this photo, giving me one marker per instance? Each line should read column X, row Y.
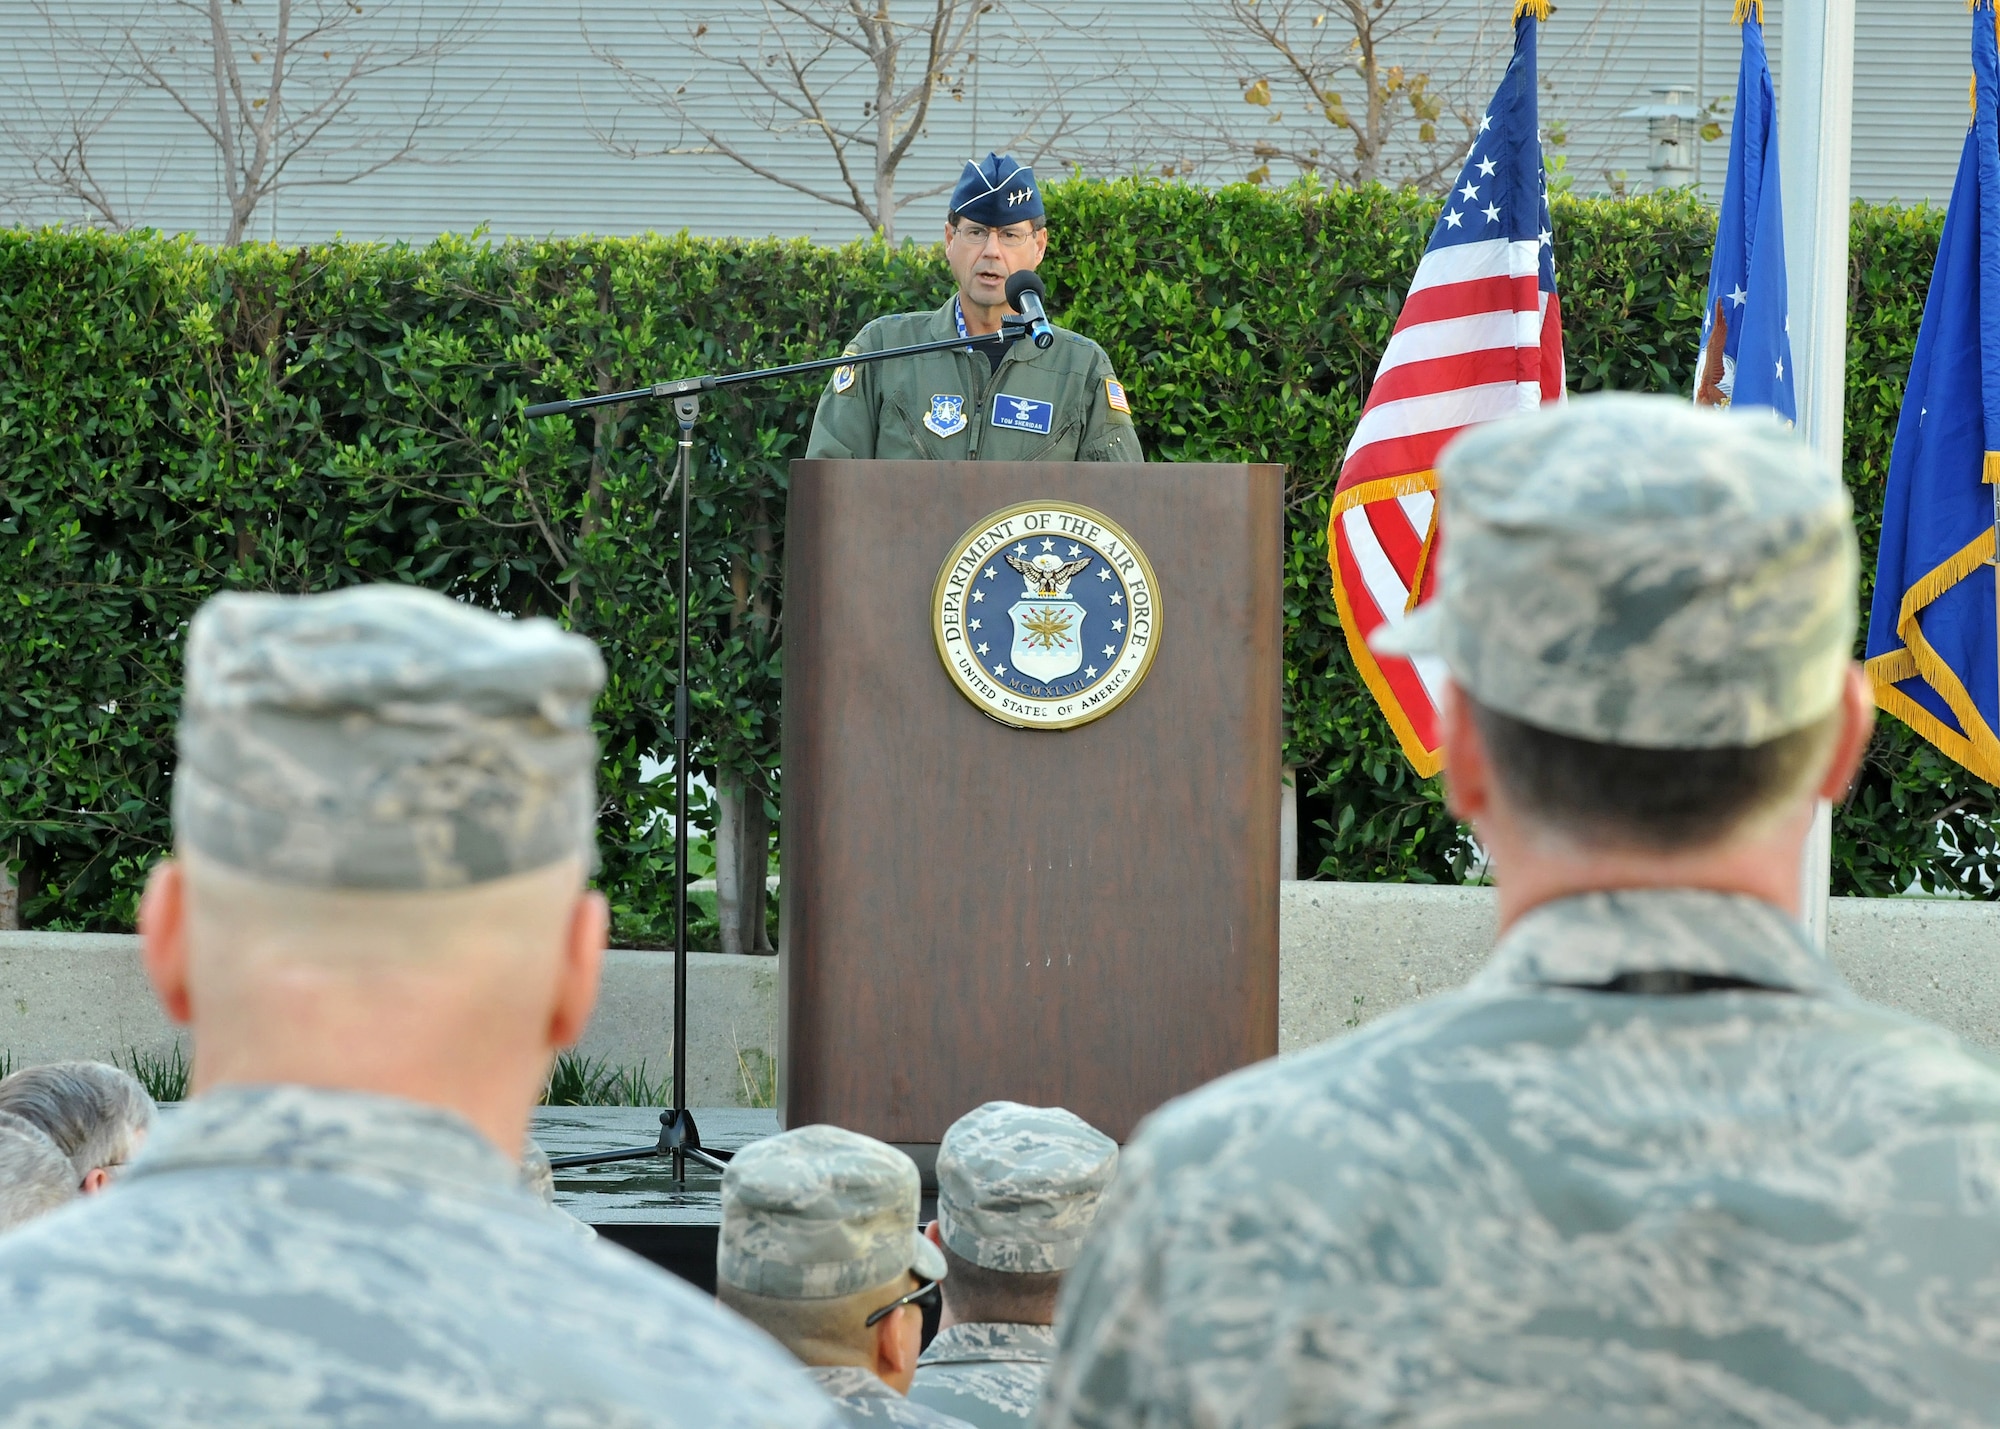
column 920, row 1296
column 976, row 234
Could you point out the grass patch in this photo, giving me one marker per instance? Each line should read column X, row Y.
column 577, row 1080
column 164, row 1075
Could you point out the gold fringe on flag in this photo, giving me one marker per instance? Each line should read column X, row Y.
column 1539, row 9
column 1744, row 7
column 1993, row 468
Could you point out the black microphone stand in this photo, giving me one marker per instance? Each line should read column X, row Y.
column 679, row 1138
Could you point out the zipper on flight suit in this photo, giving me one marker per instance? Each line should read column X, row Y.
column 992, row 380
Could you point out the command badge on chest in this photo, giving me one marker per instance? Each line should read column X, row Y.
column 946, row 416
column 1046, row 615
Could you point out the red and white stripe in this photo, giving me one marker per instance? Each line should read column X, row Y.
column 1478, row 339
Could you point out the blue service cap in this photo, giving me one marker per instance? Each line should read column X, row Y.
column 996, row 191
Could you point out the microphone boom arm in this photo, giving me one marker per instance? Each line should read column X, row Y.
column 1011, row 329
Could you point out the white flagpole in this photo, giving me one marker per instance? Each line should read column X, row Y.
column 1816, row 123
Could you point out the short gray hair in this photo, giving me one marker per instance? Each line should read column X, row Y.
column 93, row 1112
column 35, row 1177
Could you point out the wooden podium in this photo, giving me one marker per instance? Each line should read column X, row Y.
column 1081, row 917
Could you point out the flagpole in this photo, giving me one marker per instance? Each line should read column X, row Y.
column 1816, row 127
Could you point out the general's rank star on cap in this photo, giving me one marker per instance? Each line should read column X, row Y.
column 997, row 191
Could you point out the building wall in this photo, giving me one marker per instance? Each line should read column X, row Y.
column 534, row 110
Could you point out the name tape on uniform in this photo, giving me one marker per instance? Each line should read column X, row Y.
column 1024, row 414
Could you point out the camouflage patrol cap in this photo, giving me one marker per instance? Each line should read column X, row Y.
column 384, row 737
column 1018, row 1186
column 819, row 1212
column 1640, row 571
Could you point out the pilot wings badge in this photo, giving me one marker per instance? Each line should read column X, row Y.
column 1048, row 625
column 1085, row 621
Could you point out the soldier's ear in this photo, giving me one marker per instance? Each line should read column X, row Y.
column 163, row 938
column 1857, row 724
column 1468, row 777
column 582, row 965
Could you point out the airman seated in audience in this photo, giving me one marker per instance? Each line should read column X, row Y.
column 96, row 1114
column 378, row 926
column 35, row 1177
column 820, row 1246
column 1018, row 1187
column 1656, row 1164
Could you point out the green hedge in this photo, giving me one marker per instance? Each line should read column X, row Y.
column 176, row 420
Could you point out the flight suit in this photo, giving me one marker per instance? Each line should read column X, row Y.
column 1059, row 404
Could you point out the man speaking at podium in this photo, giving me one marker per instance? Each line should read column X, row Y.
column 988, row 403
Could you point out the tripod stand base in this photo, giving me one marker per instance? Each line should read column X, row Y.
column 680, row 1139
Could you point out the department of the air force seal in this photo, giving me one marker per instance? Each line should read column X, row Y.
column 1046, row 615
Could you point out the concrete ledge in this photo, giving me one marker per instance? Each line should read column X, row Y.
column 85, row 995
column 1348, row 952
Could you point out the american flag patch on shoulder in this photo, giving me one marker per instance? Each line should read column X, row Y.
column 1114, row 394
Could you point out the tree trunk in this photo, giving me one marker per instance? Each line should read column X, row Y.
column 742, row 854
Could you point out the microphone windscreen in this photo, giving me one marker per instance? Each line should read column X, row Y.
column 1025, row 281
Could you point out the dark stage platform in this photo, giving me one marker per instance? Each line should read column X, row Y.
column 634, row 1202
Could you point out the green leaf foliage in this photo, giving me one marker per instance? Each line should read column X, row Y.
column 177, row 420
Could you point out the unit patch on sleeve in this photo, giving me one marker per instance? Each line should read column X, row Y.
column 843, row 375
column 1114, row 396
column 1023, row 414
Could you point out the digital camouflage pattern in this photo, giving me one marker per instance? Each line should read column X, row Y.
column 1640, row 571
column 1527, row 1204
column 877, row 410
column 864, row 1399
column 287, row 1255
column 990, row 1376
column 384, row 737
column 820, row 1212
column 1018, row 1186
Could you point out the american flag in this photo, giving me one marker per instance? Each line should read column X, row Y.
column 1480, row 337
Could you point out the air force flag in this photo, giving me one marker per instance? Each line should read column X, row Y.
column 1933, row 640
column 1746, row 346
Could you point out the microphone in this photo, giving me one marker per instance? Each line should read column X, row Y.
column 1026, row 296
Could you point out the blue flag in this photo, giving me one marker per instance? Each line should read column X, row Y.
column 1933, row 639
column 1746, row 345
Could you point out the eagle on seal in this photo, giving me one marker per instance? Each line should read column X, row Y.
column 1047, row 581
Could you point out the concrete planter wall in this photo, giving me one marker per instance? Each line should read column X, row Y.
column 1348, row 953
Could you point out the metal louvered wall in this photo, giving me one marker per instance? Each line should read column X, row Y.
column 522, row 154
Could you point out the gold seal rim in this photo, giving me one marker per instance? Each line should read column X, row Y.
column 1068, row 508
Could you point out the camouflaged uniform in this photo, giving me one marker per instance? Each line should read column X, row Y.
column 1556, row 1197
column 1018, row 1189
column 1060, row 404
column 865, row 1399
column 1525, row 1204
column 989, row 1375
column 290, row 1255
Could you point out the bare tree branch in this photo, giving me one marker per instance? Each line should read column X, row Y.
column 853, row 82
column 1357, row 91
column 290, row 93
